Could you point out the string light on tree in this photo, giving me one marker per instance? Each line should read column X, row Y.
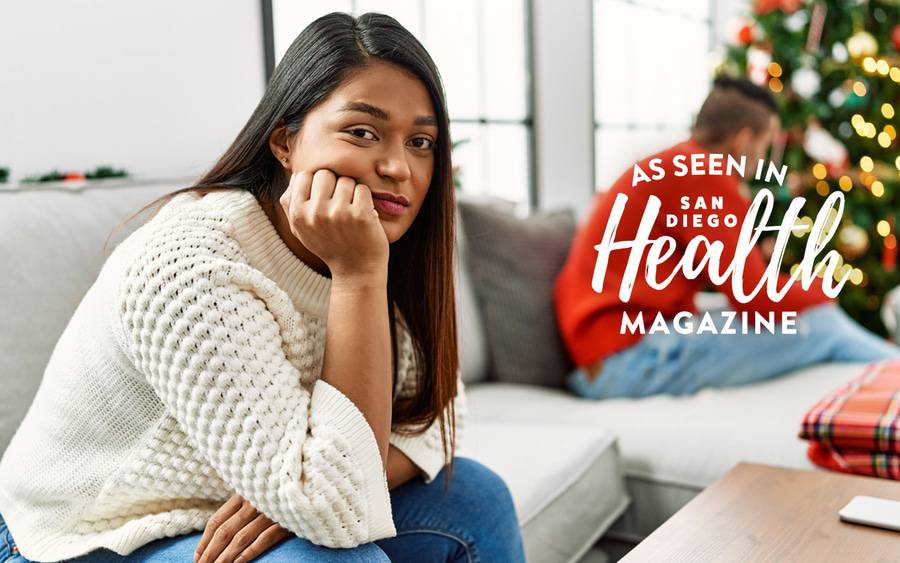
column 845, row 183
column 862, row 44
column 869, row 65
column 866, row 163
column 852, row 241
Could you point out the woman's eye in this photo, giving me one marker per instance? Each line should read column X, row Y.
column 422, row 143
column 361, row 133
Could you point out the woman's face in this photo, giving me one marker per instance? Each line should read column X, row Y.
column 379, row 128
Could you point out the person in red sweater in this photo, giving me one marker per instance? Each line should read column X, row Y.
column 674, row 349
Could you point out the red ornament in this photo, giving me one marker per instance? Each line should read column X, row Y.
column 895, row 37
column 889, row 256
column 745, row 34
column 761, row 7
column 790, row 6
column 71, row 176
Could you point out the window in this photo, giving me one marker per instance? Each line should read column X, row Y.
column 650, row 77
column 481, row 51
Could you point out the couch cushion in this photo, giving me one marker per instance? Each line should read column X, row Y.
column 566, row 482
column 672, row 447
column 514, row 262
column 52, row 247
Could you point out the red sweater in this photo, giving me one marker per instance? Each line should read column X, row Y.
column 590, row 322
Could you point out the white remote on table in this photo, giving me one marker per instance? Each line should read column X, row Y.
column 872, row 511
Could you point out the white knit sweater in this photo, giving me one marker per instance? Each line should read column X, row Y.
column 189, row 372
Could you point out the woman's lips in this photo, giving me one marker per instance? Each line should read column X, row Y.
column 389, row 203
column 389, row 207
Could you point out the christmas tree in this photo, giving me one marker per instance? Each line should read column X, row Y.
column 834, row 69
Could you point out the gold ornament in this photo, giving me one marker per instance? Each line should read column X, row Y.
column 852, row 242
column 862, row 44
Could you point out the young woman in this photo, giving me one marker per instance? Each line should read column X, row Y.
column 268, row 367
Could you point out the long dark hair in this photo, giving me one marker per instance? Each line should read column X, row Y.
column 420, row 268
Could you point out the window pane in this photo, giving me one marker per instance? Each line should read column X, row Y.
column 507, row 161
column 504, row 58
column 455, row 50
column 493, row 160
column 468, row 161
column 618, row 149
column 694, row 9
column 615, row 48
column 641, row 74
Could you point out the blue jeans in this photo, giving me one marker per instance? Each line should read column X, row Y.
column 681, row 364
column 474, row 521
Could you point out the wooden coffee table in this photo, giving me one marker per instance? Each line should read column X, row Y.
column 763, row 513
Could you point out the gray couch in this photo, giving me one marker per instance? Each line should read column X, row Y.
column 577, row 469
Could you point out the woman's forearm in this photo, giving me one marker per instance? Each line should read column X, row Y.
column 358, row 349
column 400, row 468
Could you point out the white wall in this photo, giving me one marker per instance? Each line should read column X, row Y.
column 159, row 88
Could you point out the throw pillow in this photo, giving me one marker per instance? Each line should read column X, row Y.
column 513, row 262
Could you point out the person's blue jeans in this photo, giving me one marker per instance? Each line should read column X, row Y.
column 474, row 521
column 680, row 364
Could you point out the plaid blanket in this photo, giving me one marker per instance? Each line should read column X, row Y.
column 856, row 428
column 858, row 462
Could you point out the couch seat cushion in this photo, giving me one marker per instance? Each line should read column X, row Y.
column 566, row 482
column 672, row 447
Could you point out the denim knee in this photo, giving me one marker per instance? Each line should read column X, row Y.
column 301, row 550
column 483, row 495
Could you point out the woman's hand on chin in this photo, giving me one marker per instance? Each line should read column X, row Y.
column 237, row 532
column 335, row 218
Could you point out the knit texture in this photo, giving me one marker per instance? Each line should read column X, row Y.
column 190, row 372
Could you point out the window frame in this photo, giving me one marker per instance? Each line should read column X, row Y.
column 531, row 198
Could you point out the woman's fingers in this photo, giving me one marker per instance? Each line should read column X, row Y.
column 300, row 190
column 226, row 531
column 223, row 514
column 303, row 185
column 362, row 198
column 245, row 537
column 338, row 223
column 270, row 537
column 323, row 182
column 343, row 191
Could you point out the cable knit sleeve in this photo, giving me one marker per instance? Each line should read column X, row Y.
column 425, row 450
column 222, row 347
